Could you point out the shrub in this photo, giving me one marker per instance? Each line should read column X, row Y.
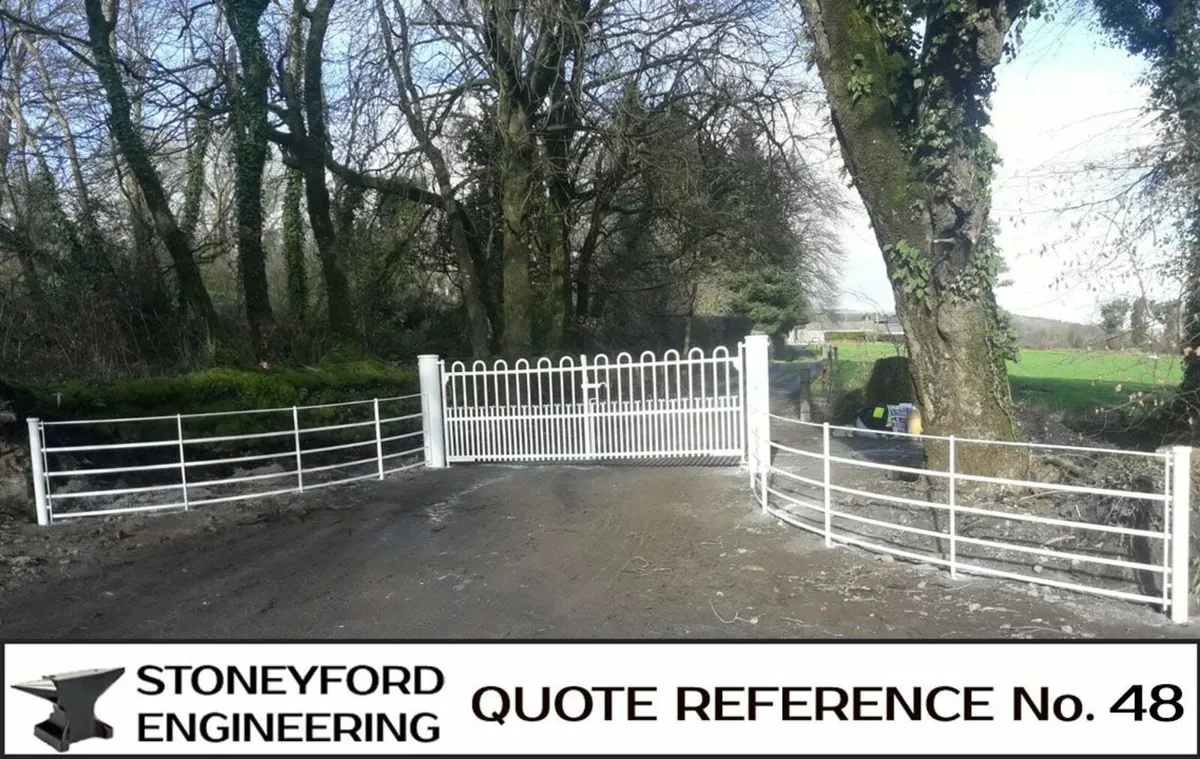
column 220, row 389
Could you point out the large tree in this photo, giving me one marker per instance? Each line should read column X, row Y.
column 908, row 84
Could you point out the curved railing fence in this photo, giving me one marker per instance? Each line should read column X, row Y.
column 1100, row 521
column 100, row 467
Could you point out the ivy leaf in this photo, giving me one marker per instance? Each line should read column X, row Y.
column 918, row 83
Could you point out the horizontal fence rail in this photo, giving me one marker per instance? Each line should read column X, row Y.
column 104, row 467
column 1120, row 530
column 595, row 408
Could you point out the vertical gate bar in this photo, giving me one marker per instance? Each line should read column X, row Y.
column 558, row 443
column 541, row 411
column 602, row 428
column 508, row 444
column 953, row 513
column 588, row 442
column 378, row 439
column 37, row 463
column 182, row 461
column 1181, row 491
column 678, row 443
column 299, row 450
column 497, row 411
column 706, row 411
column 693, row 410
column 454, row 414
column 527, row 412
column 477, row 430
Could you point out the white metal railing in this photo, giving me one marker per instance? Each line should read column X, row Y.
column 803, row 480
column 797, row 483
column 189, row 461
column 592, row 409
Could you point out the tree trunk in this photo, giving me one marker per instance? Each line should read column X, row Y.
column 94, row 250
column 316, row 190
column 193, row 190
column 248, row 119
column 558, row 240
column 133, row 150
column 293, row 248
column 400, row 63
column 1189, row 386
column 933, row 234
column 516, row 196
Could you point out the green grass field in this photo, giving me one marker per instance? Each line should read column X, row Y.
column 1074, row 382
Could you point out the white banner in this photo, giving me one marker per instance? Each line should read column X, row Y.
column 589, row 698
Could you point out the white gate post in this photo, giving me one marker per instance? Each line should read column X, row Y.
column 39, row 472
column 432, row 410
column 758, row 403
column 1181, row 537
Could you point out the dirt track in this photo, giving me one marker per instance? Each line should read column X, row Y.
column 506, row 552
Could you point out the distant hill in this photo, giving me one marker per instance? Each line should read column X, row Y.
column 1036, row 332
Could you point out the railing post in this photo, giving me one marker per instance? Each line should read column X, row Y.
column 953, row 515
column 182, row 460
column 299, row 454
column 828, row 491
column 432, row 410
column 1181, row 487
column 758, row 402
column 39, row 472
column 378, row 439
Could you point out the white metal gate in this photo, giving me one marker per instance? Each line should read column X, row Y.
column 595, row 409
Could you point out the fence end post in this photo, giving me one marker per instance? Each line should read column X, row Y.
column 432, row 412
column 38, row 471
column 828, row 495
column 1181, row 487
column 378, row 439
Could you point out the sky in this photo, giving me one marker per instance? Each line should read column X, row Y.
column 1067, row 98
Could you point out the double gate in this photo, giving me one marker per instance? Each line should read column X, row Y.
column 651, row 408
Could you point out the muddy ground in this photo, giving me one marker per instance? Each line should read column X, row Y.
column 507, row 552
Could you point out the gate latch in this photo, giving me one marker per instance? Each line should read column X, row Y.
column 593, row 385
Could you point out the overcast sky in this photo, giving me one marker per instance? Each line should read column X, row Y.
column 1068, row 98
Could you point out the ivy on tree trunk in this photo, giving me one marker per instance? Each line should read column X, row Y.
column 133, row 150
column 908, row 85
column 248, row 119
